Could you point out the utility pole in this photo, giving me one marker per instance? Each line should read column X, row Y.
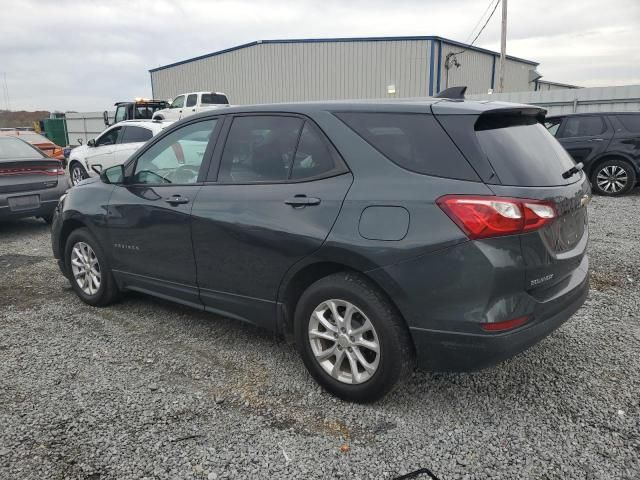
column 503, row 46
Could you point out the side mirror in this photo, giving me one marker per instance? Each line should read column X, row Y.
column 113, row 175
column 91, row 143
column 80, row 141
column 105, row 117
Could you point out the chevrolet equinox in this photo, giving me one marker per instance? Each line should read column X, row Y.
column 379, row 235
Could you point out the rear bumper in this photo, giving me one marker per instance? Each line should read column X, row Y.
column 454, row 351
column 446, row 296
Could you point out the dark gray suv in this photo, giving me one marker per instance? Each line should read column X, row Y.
column 377, row 235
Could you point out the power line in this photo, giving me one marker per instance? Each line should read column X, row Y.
column 481, row 30
column 466, row 40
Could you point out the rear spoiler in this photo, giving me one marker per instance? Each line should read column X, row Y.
column 452, row 93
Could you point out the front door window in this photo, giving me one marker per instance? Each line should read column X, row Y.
column 177, row 158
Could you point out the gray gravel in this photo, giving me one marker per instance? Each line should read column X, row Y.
column 147, row 389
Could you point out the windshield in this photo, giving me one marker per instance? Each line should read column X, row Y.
column 14, row 149
column 522, row 152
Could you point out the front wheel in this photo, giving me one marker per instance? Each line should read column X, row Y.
column 613, row 178
column 352, row 339
column 88, row 269
column 77, row 173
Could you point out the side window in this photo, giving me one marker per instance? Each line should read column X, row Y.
column 313, row 156
column 630, row 122
column 135, row 134
column 259, row 149
column 583, row 127
column 109, row 138
column 413, row 141
column 121, row 113
column 192, row 100
column 177, row 157
column 178, row 102
column 553, row 125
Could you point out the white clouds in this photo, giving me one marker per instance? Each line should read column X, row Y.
column 84, row 55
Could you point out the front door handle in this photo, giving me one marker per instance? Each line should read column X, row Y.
column 302, row 201
column 176, row 200
column 597, row 140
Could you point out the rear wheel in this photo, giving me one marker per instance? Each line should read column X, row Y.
column 613, row 177
column 77, row 173
column 89, row 270
column 352, row 340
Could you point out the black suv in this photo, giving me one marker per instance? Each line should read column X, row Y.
column 377, row 235
column 608, row 144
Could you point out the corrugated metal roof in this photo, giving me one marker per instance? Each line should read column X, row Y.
column 345, row 39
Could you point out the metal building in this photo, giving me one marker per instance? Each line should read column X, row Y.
column 269, row 71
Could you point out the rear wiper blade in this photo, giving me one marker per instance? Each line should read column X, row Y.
column 573, row 170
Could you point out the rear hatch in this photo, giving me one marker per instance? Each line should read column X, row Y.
column 26, row 175
column 517, row 157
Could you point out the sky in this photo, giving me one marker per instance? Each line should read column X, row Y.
column 84, row 55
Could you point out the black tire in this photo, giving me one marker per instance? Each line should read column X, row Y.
column 77, row 173
column 609, row 167
column 108, row 291
column 397, row 357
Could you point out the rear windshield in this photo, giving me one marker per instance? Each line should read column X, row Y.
column 213, row 99
column 522, row 152
column 14, row 149
column 414, row 141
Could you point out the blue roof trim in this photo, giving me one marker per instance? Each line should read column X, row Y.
column 439, row 66
column 431, row 60
column 341, row 39
column 493, row 73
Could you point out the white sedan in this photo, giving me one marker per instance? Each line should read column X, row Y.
column 112, row 147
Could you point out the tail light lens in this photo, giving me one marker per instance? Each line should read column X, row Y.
column 504, row 326
column 35, row 170
column 490, row 216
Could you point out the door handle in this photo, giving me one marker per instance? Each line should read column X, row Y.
column 597, row 140
column 193, row 109
column 176, row 200
column 302, row 201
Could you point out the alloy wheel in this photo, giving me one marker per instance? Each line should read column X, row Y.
column 344, row 341
column 85, row 268
column 76, row 175
column 612, row 179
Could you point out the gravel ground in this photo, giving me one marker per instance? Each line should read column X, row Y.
column 147, row 389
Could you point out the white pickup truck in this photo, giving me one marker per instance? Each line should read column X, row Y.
column 187, row 104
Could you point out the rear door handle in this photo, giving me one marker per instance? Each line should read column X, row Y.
column 176, row 200
column 597, row 140
column 302, row 201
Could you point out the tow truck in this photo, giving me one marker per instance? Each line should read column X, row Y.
column 139, row 109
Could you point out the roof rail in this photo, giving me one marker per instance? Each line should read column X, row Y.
column 452, row 93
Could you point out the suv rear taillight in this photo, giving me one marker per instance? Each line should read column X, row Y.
column 487, row 216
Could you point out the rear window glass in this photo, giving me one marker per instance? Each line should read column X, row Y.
column 415, row 142
column 14, row 149
column 630, row 122
column 135, row 134
column 522, row 152
column 213, row 99
column 583, row 127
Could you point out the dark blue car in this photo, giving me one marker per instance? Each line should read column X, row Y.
column 378, row 235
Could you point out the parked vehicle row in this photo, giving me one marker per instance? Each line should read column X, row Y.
column 378, row 235
column 607, row 144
